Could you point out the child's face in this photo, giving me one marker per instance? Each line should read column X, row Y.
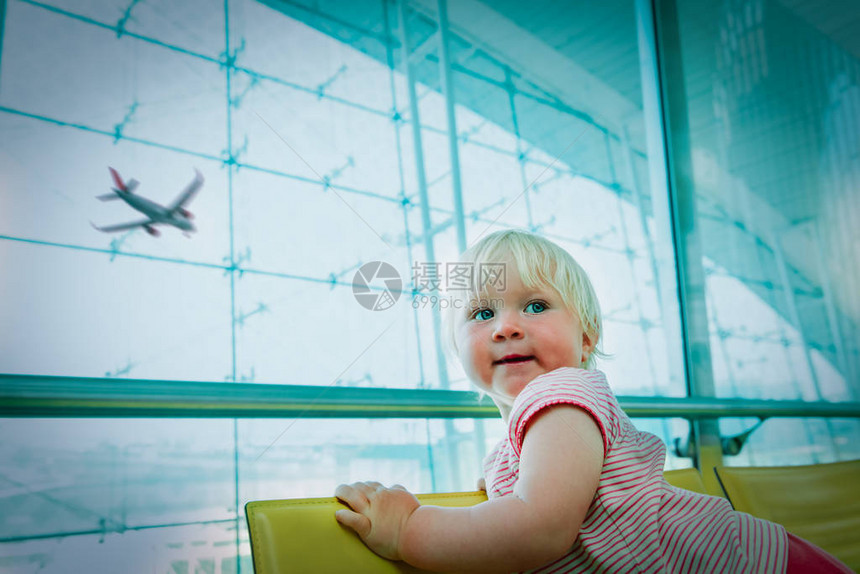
column 533, row 323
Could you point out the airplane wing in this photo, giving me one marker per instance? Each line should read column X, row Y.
column 188, row 193
column 122, row 226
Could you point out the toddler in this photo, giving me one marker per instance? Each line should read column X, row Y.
column 573, row 487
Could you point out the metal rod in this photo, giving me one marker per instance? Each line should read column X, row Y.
column 664, row 264
column 448, row 90
column 44, row 396
column 418, row 149
column 2, row 28
column 660, row 21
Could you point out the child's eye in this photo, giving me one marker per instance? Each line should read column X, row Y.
column 479, row 314
column 536, row 307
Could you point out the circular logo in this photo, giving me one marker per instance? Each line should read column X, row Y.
column 376, row 286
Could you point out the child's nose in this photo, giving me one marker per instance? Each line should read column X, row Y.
column 507, row 327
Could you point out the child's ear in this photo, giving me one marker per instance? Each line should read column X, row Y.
column 589, row 342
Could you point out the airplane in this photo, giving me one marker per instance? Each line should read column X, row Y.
column 174, row 214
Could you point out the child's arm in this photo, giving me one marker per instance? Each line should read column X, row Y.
column 560, row 466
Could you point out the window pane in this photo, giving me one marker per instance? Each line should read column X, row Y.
column 551, row 138
column 302, row 129
column 144, row 494
column 116, row 495
column 80, row 313
column 787, row 441
column 300, row 120
column 774, row 102
column 147, row 495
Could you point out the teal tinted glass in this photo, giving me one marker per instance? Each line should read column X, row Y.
column 300, row 120
column 773, row 95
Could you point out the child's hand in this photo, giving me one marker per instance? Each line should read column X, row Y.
column 482, row 485
column 378, row 514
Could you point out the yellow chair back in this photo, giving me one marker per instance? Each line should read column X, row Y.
column 820, row 502
column 301, row 535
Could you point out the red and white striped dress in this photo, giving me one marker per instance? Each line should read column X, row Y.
column 637, row 521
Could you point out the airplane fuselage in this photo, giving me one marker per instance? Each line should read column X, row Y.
column 174, row 214
column 157, row 213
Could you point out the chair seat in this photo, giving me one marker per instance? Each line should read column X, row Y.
column 820, row 503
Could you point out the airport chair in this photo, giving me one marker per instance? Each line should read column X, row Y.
column 301, row 535
column 686, row 478
column 819, row 502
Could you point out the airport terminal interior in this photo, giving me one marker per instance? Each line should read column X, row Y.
column 325, row 162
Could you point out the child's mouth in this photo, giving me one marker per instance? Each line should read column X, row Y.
column 515, row 360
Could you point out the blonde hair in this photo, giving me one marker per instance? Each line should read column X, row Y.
column 541, row 263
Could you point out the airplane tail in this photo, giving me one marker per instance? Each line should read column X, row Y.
column 120, row 186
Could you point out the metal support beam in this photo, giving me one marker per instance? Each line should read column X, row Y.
column 2, row 28
column 424, row 49
column 510, row 88
column 426, row 222
column 426, row 225
column 44, row 396
column 662, row 249
column 659, row 21
column 448, row 91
